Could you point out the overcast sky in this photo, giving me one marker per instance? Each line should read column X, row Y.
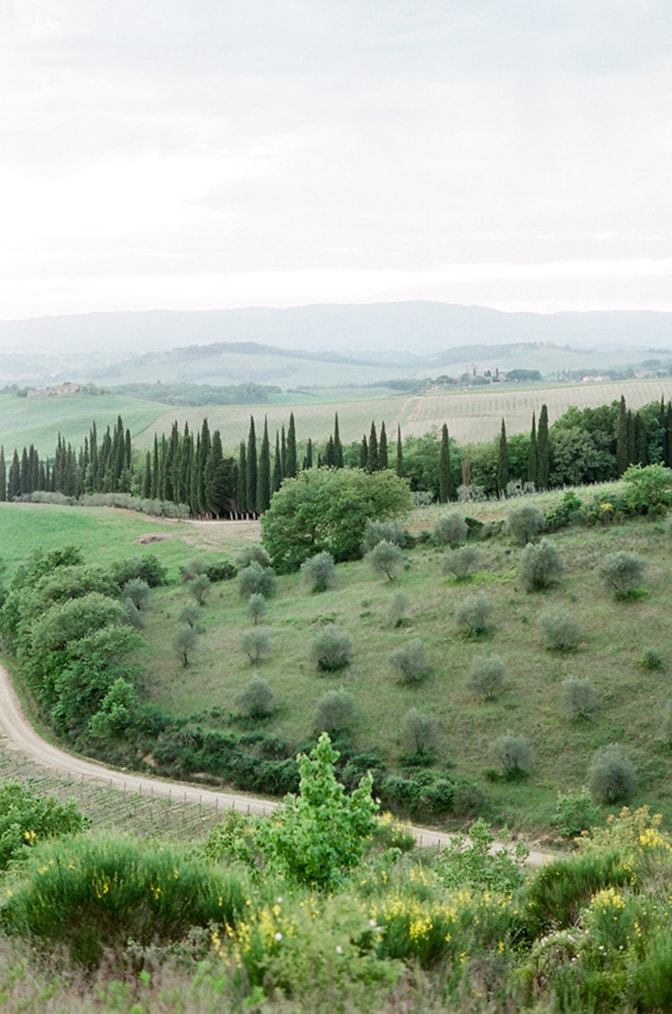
column 196, row 154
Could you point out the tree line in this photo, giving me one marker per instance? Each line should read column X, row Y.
column 191, row 468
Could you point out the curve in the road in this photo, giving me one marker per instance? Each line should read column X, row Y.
column 21, row 736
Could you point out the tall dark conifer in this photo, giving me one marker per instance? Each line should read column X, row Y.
column 400, row 453
column 338, row 446
column 532, row 460
column 382, row 448
column 292, row 464
column 543, row 450
column 241, row 495
column 264, row 472
column 308, row 460
column 252, row 468
column 372, row 461
column 363, row 453
column 622, row 457
column 502, row 461
column 3, row 476
column 444, row 466
column 277, row 465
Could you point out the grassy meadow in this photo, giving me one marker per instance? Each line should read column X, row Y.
column 631, row 700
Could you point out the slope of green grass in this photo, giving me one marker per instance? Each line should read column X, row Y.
column 631, row 700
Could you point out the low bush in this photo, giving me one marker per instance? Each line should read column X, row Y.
column 450, row 530
column 319, row 572
column 487, row 678
column 420, row 733
column 525, row 523
column 255, row 579
column 651, row 659
column 253, row 554
column 560, row 631
column 144, row 568
column 256, row 701
column 580, row 698
column 95, row 892
column 411, row 662
column 383, row 531
column 399, row 607
column 462, row 562
column 331, row 649
column 514, row 756
column 540, row 566
column 611, row 775
column 257, row 645
column 473, row 614
column 622, row 573
column 335, row 711
column 575, row 813
column 386, row 558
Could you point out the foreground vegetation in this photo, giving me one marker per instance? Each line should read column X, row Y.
column 276, row 915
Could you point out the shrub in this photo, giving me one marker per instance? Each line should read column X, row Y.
column 220, row 570
column 146, row 568
column 383, row 531
column 487, row 678
column 133, row 614
column 622, row 573
column 96, row 892
column 648, row 489
column 27, row 818
column 514, row 755
column 386, row 558
column 335, row 711
column 331, row 649
column 560, row 631
column 450, row 529
column 399, row 606
column 575, row 813
column 316, row 837
column 256, row 700
column 420, row 733
column 257, row 607
column 462, row 562
column 319, row 572
column 199, row 588
column 651, row 659
column 540, row 566
column 137, row 591
column 525, row 523
column 189, row 614
column 257, row 645
column 473, row 862
column 192, row 568
column 184, row 641
column 611, row 775
column 253, row 554
column 473, row 614
column 256, row 579
column 411, row 662
column 580, row 699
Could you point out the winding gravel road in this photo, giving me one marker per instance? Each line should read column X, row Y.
column 20, row 736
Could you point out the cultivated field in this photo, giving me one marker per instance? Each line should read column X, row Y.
column 472, row 416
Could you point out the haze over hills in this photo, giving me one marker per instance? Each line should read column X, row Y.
column 366, row 342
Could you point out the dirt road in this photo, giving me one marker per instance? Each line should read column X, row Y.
column 19, row 735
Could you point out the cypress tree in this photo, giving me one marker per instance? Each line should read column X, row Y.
column 264, row 472
column 14, row 478
column 631, row 436
column 502, row 462
column 308, row 460
column 641, row 451
column 292, row 465
column 329, row 454
column 241, row 489
column 400, row 454
column 338, row 446
column 277, row 465
column 372, row 461
column 382, row 448
column 283, row 450
column 532, row 459
column 3, row 476
column 668, row 435
column 147, row 478
column 155, row 470
column 24, row 479
column 622, row 456
column 213, row 476
column 252, row 468
column 444, row 466
column 363, row 453
column 543, row 450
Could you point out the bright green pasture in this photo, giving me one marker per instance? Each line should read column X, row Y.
column 106, row 534
column 631, row 699
column 38, row 421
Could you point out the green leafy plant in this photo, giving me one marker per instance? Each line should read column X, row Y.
column 487, row 678
column 331, row 649
column 411, row 662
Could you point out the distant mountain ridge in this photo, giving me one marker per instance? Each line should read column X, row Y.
column 363, row 343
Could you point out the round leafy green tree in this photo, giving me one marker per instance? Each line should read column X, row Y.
column 326, row 509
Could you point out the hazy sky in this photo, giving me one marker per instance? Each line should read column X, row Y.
column 195, row 154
